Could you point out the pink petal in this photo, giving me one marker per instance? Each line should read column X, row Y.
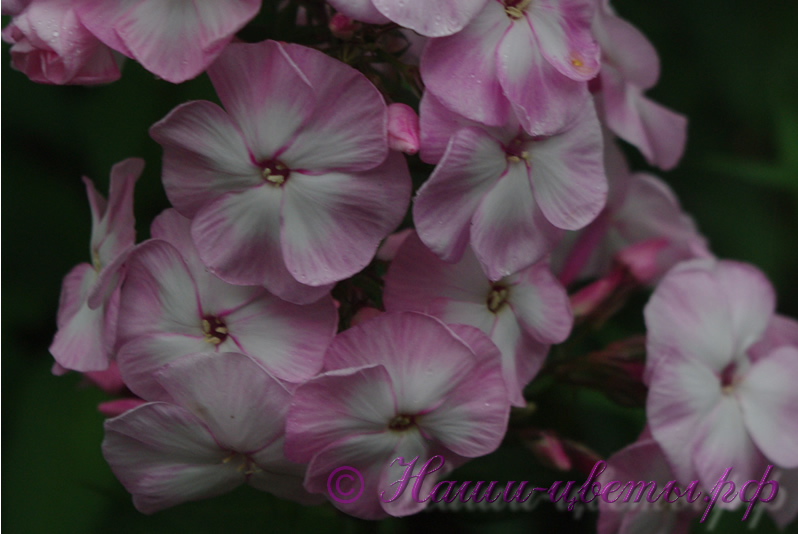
column 338, row 404
column 242, row 405
column 432, row 18
column 348, row 128
column 446, row 203
column 781, row 331
column 362, row 10
column 541, row 304
column 204, row 156
column 460, row 69
column 332, row 224
column 508, row 231
column 163, row 455
column 544, row 100
column 768, row 398
column 562, row 29
column 403, row 129
column 522, row 354
column 279, row 476
column 437, row 124
column 567, row 173
column 626, row 48
column 118, row 406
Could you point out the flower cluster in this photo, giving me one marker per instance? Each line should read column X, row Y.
column 273, row 327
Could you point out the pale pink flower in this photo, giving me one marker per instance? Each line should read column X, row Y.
column 222, row 427
column 711, row 405
column 507, row 193
column 523, row 313
column 432, row 18
column 293, row 186
column 89, row 301
column 50, row 45
column 533, row 58
column 176, row 39
column 399, row 385
column 171, row 306
column 629, row 67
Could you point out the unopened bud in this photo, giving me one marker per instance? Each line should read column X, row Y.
column 403, row 130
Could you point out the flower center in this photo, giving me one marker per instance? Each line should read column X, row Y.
column 95, row 261
column 215, row 330
column 497, row 297
column 515, row 8
column 275, row 172
column 246, row 464
column 402, row 422
column 728, row 380
column 515, row 150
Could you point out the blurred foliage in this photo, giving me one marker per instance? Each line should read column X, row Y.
column 728, row 65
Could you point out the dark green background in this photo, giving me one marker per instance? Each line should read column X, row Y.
column 730, row 66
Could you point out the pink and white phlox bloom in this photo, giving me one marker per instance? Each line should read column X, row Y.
column 523, row 313
column 174, row 39
column 629, row 67
column 172, row 306
column 506, row 193
column 293, row 186
column 533, row 58
column 711, row 405
column 87, row 311
column 222, row 426
column 432, row 18
column 398, row 385
column 50, row 45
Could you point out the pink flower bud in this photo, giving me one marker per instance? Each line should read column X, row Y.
column 108, row 380
column 642, row 259
column 548, row 448
column 391, row 245
column 364, row 314
column 118, row 406
column 343, row 27
column 589, row 298
column 403, row 132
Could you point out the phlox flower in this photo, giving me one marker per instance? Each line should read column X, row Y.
column 172, row 306
column 398, row 385
column 505, row 192
column 222, row 426
column 175, row 39
column 629, row 67
column 712, row 402
column 50, row 45
column 431, row 18
column 530, row 57
column 293, row 186
column 523, row 313
column 87, row 311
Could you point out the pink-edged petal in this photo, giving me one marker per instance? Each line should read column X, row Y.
column 567, row 173
column 688, row 315
column 751, row 301
column 432, row 18
column 416, row 277
column 658, row 132
column 204, row 156
column 159, row 294
column 118, row 406
column 163, row 455
column 242, row 405
column 721, row 440
column 437, row 125
column 107, row 281
column 238, row 238
column 80, row 342
column 348, row 129
column 626, row 48
column 446, row 203
column 101, row 17
column 781, row 331
column 521, row 354
column 541, row 304
column 335, row 405
column 115, row 232
column 285, row 339
column 544, row 100
column 368, row 455
column 142, row 356
column 508, row 231
column 682, row 392
column 562, row 29
column 461, row 69
column 266, row 94
column 279, row 476
column 422, row 355
column 768, row 399
column 332, row 224
column 411, row 445
column 472, row 419
column 362, row 10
